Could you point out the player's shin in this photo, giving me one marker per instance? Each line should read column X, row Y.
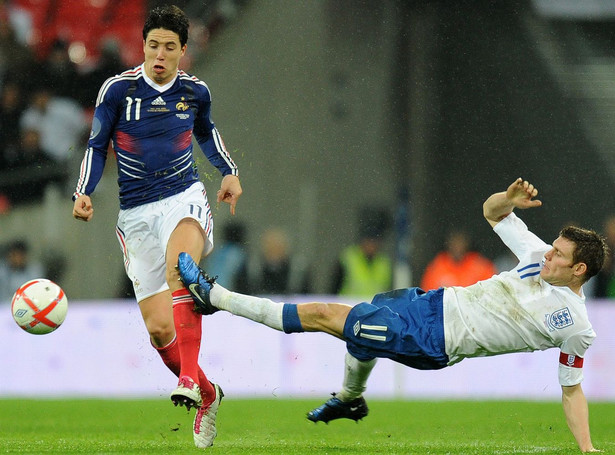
column 356, row 373
column 188, row 330
column 258, row 309
column 170, row 356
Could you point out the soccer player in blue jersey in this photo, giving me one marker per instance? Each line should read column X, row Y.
column 536, row 306
column 150, row 114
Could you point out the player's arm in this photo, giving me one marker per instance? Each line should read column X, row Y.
column 570, row 375
column 95, row 157
column 577, row 416
column 520, row 194
column 213, row 147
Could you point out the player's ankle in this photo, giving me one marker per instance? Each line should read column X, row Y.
column 218, row 294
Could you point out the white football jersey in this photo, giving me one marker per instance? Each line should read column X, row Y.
column 517, row 311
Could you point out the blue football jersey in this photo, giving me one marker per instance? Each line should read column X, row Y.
column 151, row 129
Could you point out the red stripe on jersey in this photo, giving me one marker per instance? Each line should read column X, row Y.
column 571, row 360
column 126, row 142
column 183, row 141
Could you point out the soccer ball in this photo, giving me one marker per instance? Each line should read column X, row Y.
column 39, row 306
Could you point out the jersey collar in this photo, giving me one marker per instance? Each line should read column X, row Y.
column 152, row 84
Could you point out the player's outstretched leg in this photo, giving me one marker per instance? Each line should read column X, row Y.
column 335, row 408
column 197, row 282
column 204, row 429
column 187, row 393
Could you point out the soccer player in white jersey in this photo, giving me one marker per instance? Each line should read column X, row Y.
column 150, row 114
column 538, row 305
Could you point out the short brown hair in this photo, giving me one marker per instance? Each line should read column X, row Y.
column 169, row 17
column 590, row 248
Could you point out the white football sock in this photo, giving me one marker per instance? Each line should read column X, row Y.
column 257, row 309
column 356, row 373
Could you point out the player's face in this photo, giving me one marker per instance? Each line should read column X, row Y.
column 163, row 52
column 559, row 268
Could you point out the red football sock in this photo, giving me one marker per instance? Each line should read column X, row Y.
column 188, row 330
column 170, row 357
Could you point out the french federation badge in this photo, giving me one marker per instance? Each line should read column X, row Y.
column 559, row 319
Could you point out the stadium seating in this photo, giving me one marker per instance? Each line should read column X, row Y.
column 87, row 22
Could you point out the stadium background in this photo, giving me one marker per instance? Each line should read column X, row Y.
column 330, row 104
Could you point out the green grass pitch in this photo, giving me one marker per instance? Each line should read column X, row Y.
column 279, row 426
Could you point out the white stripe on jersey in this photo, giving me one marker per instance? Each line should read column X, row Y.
column 179, row 171
column 127, row 158
column 124, row 165
column 184, row 157
column 196, row 80
column 84, row 171
column 123, row 171
column 222, row 150
column 129, row 75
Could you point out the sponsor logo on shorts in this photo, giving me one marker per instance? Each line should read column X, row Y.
column 356, row 328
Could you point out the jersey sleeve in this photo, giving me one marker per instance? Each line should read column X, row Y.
column 103, row 123
column 209, row 139
column 571, row 357
column 517, row 237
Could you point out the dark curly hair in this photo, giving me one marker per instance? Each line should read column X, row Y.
column 590, row 248
column 169, row 17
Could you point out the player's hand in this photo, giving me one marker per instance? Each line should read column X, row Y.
column 82, row 208
column 521, row 194
column 230, row 190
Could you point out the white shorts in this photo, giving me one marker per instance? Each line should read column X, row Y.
column 144, row 231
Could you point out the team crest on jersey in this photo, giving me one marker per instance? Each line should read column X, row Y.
column 182, row 105
column 559, row 319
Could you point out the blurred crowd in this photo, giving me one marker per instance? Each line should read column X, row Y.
column 274, row 266
column 48, row 89
column 54, row 56
column 46, row 101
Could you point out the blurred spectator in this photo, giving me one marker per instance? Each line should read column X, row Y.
column 58, row 72
column 605, row 279
column 19, row 19
column 229, row 259
column 59, row 121
column 16, row 268
column 109, row 64
column 11, row 108
column 364, row 269
column 276, row 270
column 29, row 170
column 16, row 58
column 457, row 265
column 28, row 151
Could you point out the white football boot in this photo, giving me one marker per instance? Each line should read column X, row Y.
column 187, row 393
column 204, row 429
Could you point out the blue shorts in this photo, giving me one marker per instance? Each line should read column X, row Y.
column 405, row 325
